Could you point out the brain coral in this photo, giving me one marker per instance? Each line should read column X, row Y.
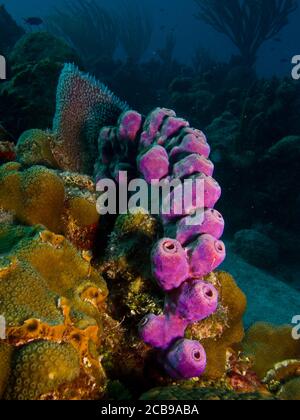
column 52, row 301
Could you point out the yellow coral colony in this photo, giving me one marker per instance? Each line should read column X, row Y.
column 53, row 302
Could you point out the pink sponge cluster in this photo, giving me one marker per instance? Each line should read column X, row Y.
column 167, row 148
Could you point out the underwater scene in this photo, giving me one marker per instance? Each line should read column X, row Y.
column 149, row 200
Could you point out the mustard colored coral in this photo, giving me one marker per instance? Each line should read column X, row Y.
column 63, row 203
column 34, row 148
column 276, row 358
column 35, row 195
column 53, row 302
column 269, row 345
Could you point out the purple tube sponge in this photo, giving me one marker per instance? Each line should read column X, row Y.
column 160, row 332
column 165, row 147
column 170, row 264
column 193, row 199
column 206, row 254
column 153, row 125
column 213, row 224
column 212, row 191
column 186, row 359
column 192, row 143
column 130, row 123
column 154, row 164
column 170, row 128
column 193, row 164
column 195, row 301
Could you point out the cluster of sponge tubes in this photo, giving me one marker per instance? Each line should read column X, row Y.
column 168, row 148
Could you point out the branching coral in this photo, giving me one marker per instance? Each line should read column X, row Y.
column 135, row 30
column 248, row 23
column 88, row 28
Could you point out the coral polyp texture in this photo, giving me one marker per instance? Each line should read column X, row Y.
column 63, row 202
column 168, row 149
column 53, row 302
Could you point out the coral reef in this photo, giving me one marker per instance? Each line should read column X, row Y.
column 113, row 43
column 66, row 335
column 34, row 148
column 220, row 333
column 53, row 317
column 254, row 134
column 270, row 345
column 7, row 151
